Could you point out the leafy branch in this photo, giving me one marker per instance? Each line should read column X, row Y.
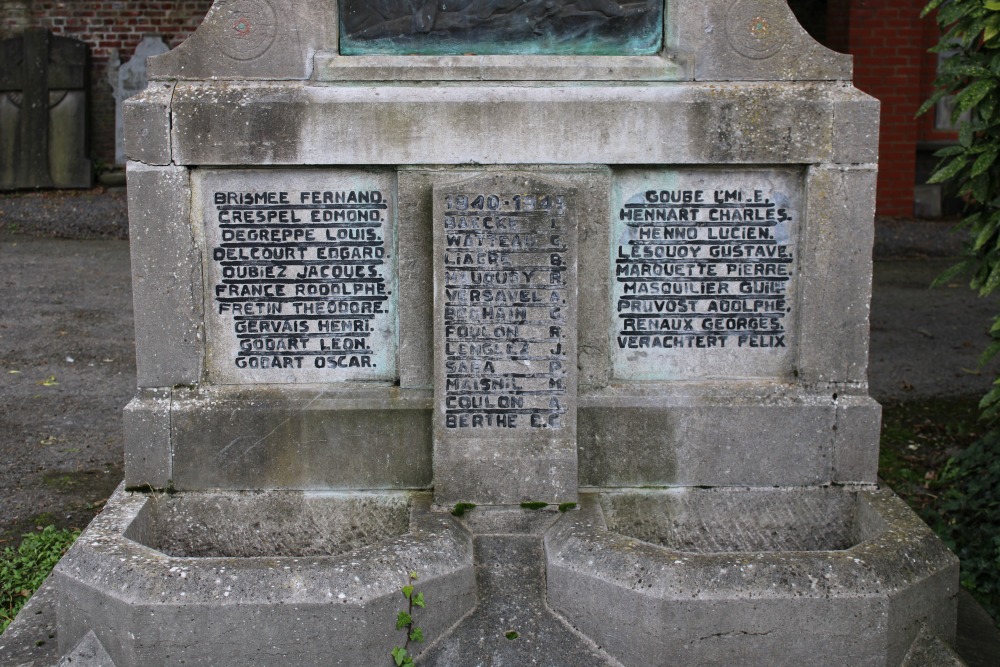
column 971, row 74
column 404, row 621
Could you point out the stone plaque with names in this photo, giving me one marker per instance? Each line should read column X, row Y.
column 300, row 280
column 703, row 273
column 505, row 339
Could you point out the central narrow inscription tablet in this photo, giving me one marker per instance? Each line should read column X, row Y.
column 505, row 340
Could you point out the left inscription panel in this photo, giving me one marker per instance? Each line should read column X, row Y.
column 300, row 280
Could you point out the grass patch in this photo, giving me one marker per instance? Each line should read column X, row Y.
column 918, row 440
column 22, row 570
column 940, row 459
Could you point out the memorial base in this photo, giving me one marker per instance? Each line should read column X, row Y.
column 810, row 576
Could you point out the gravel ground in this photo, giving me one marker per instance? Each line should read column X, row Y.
column 67, row 368
column 66, row 214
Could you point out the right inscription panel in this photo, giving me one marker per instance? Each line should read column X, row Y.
column 703, row 270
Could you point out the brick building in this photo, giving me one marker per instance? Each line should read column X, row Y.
column 887, row 38
column 889, row 43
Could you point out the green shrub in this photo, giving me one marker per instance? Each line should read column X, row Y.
column 23, row 570
column 969, row 512
column 972, row 75
column 968, row 517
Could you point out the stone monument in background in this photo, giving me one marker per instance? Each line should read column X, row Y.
column 43, row 112
column 129, row 79
column 601, row 269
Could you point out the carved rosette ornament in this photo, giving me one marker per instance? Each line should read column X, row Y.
column 249, row 29
column 756, row 30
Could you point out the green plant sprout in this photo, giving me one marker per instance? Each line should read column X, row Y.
column 462, row 508
column 533, row 505
column 404, row 621
column 565, row 507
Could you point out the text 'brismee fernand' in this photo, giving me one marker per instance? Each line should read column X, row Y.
column 300, row 282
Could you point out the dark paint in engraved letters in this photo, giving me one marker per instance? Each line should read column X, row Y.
column 302, row 277
column 505, row 310
column 702, row 269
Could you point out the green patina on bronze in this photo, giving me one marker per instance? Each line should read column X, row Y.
column 501, row 27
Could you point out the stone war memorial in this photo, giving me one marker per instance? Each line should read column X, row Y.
column 561, row 306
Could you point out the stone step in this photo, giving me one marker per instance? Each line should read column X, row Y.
column 512, row 624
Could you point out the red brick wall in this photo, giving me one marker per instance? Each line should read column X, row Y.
column 889, row 41
column 105, row 26
column 928, row 131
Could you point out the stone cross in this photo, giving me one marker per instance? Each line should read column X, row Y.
column 36, row 68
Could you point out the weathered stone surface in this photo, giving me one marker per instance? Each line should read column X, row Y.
column 146, row 122
column 732, row 520
column 593, row 296
column 663, row 66
column 28, row 639
column 676, row 438
column 835, row 289
column 146, row 420
column 252, row 39
column 929, row 651
column 281, row 523
column 301, row 275
column 146, row 607
column 639, row 601
column 856, row 132
column 750, row 40
column 416, row 278
column 855, row 444
column 88, row 652
column 301, row 438
column 512, row 623
column 505, row 302
column 288, row 123
column 166, row 277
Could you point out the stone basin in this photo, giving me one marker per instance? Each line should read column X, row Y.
column 721, row 520
column 249, row 578
column 277, row 523
column 733, row 576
